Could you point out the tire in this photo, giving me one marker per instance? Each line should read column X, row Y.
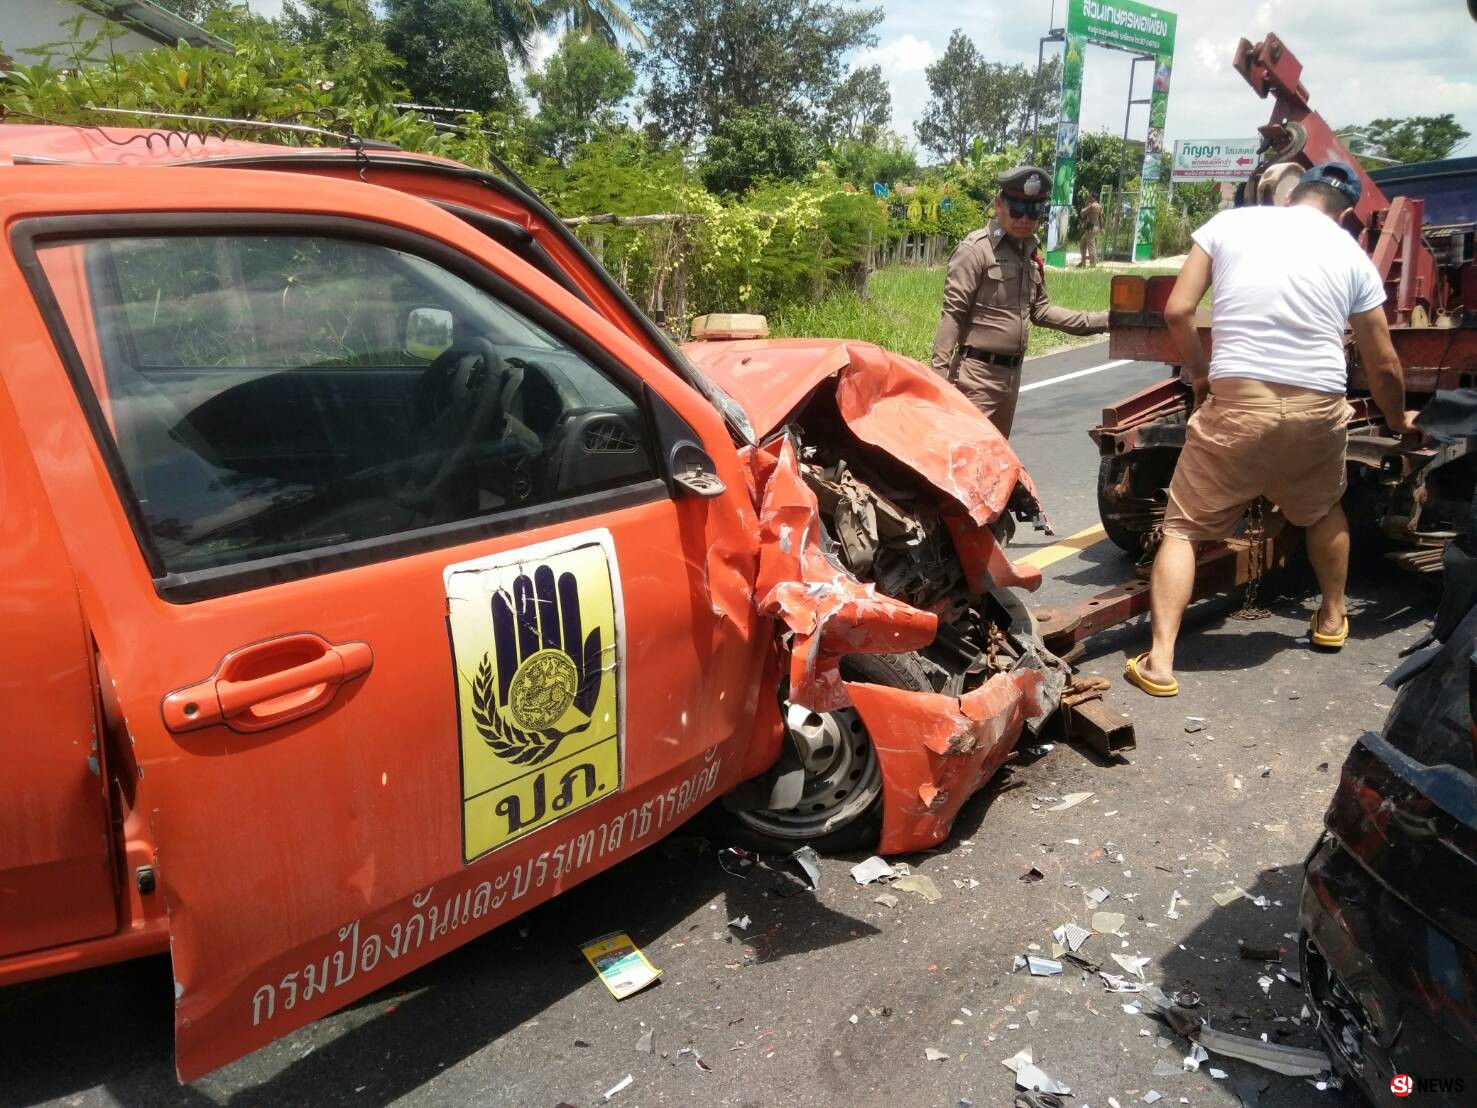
column 1128, row 539
column 773, row 831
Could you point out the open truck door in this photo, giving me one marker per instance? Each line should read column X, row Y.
column 407, row 568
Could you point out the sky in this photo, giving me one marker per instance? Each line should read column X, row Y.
column 1362, row 59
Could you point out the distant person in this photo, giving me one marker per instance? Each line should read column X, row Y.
column 1270, row 416
column 994, row 291
column 1092, row 222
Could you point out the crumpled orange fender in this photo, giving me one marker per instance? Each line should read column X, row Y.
column 936, row 751
column 828, row 610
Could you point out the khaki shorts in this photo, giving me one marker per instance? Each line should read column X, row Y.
column 1251, row 439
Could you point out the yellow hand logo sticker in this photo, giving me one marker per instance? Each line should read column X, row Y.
column 536, row 639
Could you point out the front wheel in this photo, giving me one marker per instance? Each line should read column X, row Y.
column 840, row 806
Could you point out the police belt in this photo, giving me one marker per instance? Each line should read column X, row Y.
column 989, row 357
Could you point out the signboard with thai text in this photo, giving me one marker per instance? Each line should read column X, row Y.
column 1213, row 159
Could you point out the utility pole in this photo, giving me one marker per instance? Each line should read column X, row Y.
column 1127, row 117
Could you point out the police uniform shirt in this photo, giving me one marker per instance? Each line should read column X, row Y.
column 993, row 292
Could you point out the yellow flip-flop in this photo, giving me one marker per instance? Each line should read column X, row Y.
column 1132, row 675
column 1327, row 642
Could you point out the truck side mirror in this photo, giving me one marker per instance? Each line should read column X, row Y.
column 429, row 332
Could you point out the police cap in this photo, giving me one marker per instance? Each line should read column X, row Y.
column 1025, row 182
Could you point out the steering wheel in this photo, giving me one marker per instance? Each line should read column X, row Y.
column 460, row 403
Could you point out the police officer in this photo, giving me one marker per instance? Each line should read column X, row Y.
column 997, row 283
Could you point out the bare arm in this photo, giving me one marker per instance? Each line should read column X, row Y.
column 1179, row 316
column 1382, row 366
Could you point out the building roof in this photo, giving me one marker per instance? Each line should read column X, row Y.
column 155, row 21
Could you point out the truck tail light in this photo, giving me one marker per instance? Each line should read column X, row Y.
column 1156, row 296
column 1127, row 294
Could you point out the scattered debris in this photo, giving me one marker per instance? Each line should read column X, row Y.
column 737, row 861
column 921, row 884
column 1033, row 1017
column 1266, row 984
column 887, row 900
column 623, row 969
column 1151, row 1096
column 1174, row 905
column 934, row 1055
column 1192, row 728
column 1043, row 967
column 740, row 923
column 853, row 1019
column 1098, row 895
column 1192, row 1060
column 1133, row 963
column 1032, row 1077
column 1291, row 1061
column 1218, row 1074
column 967, row 883
column 623, row 1083
column 873, row 869
column 1235, row 782
column 1071, row 800
column 1071, row 936
column 1032, row 875
column 809, row 861
column 1228, row 896
column 1116, row 984
column 1107, row 923
column 1164, row 1069
column 644, row 1043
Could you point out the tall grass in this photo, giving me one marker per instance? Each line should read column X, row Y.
column 900, row 310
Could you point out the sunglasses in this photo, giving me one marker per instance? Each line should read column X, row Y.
column 1025, row 209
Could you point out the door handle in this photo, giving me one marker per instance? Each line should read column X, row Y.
column 268, row 684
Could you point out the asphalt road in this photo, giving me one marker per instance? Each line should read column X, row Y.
column 832, row 998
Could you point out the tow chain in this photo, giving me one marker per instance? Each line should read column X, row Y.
column 1256, row 563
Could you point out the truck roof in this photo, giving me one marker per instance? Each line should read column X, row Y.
column 94, row 145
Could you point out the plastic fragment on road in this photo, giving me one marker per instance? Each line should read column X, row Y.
column 1228, row 896
column 740, row 923
column 623, row 1083
column 1266, row 984
column 1043, row 967
column 1071, row 936
column 921, row 884
column 853, row 1019
column 644, row 1043
column 1132, row 963
column 1116, row 983
column 1033, row 1077
column 1108, row 923
column 933, row 1055
column 1071, row 800
column 1290, row 1061
column 619, row 963
column 966, row 883
column 887, row 900
column 1198, row 1054
column 873, row 869
column 1098, row 895
column 1022, row 1057
column 1165, row 1069
column 1152, row 1096
column 1174, row 905
column 1031, row 876
column 1218, row 1074
column 807, row 859
column 736, row 861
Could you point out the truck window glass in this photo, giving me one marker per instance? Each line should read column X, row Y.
column 273, row 394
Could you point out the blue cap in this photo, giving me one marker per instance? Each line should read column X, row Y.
column 1340, row 175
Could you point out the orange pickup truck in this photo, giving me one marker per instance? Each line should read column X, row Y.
column 371, row 570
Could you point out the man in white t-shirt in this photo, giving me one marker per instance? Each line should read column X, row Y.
column 1270, row 416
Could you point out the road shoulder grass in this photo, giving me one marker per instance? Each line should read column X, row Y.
column 900, row 310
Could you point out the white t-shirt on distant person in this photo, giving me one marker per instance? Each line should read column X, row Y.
column 1284, row 282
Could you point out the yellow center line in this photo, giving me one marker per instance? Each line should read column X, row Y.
column 1070, row 545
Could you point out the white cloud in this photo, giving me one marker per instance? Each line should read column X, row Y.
column 905, row 54
column 1362, row 59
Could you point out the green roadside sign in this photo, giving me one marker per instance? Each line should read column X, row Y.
column 1120, row 25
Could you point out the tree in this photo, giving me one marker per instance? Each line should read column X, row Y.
column 1421, row 138
column 709, row 59
column 345, row 36
column 196, row 11
column 456, row 51
column 752, row 146
column 578, row 91
column 951, row 118
column 604, row 18
column 885, row 161
column 860, row 108
column 1039, row 100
